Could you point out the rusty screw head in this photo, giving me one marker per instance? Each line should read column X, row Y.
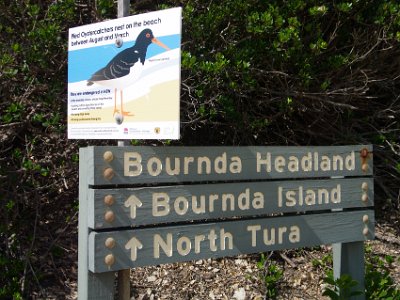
column 364, row 197
column 108, row 156
column 109, row 260
column 364, row 167
column 365, row 231
column 364, row 153
column 109, row 243
column 109, row 216
column 108, row 173
column 109, row 200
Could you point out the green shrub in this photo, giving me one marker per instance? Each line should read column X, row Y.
column 271, row 275
column 378, row 282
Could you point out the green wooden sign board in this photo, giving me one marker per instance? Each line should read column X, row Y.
column 142, row 206
column 122, row 165
column 154, row 246
column 119, row 207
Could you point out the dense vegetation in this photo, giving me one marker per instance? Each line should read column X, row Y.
column 253, row 73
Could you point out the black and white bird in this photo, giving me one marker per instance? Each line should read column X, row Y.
column 123, row 70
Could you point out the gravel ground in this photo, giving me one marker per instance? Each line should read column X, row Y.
column 236, row 278
column 241, row 277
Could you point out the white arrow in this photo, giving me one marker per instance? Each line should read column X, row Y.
column 133, row 202
column 134, row 244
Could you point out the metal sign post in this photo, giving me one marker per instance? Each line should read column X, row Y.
column 123, row 275
column 123, row 8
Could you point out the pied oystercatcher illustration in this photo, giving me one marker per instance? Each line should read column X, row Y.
column 122, row 70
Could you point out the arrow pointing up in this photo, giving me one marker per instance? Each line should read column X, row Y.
column 133, row 202
column 134, row 244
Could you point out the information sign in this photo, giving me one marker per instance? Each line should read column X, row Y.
column 124, row 78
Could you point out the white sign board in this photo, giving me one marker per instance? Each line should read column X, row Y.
column 124, row 77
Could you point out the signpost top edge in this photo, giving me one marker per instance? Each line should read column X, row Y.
column 339, row 148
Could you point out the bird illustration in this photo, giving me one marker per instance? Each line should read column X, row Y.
column 122, row 70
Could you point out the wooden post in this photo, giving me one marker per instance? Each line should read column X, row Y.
column 124, row 276
column 90, row 285
column 348, row 258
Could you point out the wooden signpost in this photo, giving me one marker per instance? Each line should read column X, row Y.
column 143, row 206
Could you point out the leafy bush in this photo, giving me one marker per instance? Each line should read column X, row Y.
column 295, row 72
column 378, row 281
column 271, row 274
column 34, row 166
column 342, row 288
